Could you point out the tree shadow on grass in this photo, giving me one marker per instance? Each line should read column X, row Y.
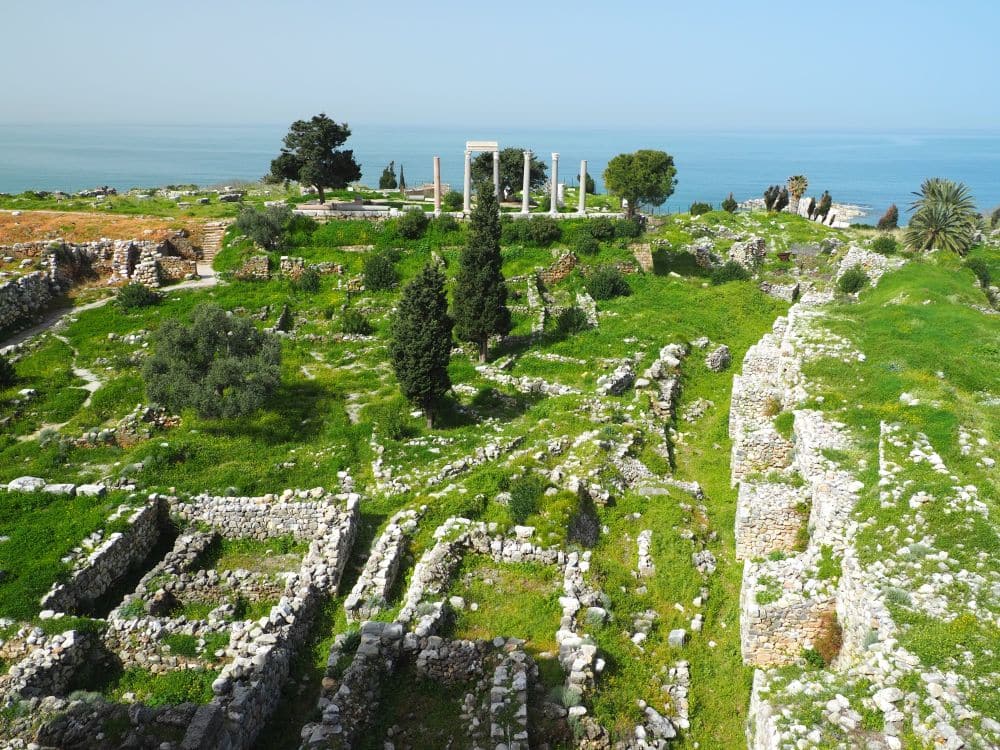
column 488, row 402
column 295, row 413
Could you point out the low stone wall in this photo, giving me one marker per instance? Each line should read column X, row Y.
column 177, row 269
column 96, row 572
column 255, row 268
column 369, row 594
column 49, row 667
column 304, row 514
column 139, row 643
column 354, row 705
column 787, row 292
column 249, row 688
column 559, row 270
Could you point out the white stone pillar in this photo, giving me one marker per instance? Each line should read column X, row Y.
column 526, row 183
column 554, row 207
column 437, row 185
column 468, row 182
column 496, row 175
column 583, row 186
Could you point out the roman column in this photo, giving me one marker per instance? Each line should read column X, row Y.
column 496, row 175
column 554, row 207
column 526, row 183
column 437, row 185
column 468, row 182
column 583, row 186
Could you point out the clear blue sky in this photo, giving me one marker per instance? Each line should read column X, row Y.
column 750, row 64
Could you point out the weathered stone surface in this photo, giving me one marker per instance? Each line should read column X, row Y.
column 719, row 359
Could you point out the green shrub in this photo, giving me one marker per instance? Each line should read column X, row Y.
column 7, row 374
column 380, row 272
column 587, row 246
column 813, row 658
column 731, row 271
column 354, row 322
column 628, row 228
column 607, row 282
column 699, row 207
column 601, row 229
column 133, row 296
column 853, row 280
column 976, row 265
column 307, row 281
column 571, row 320
column 885, row 244
column 453, row 201
column 525, row 492
column 729, row 205
column 219, row 365
column 265, row 226
column 542, row 231
column 413, row 224
column 445, row 224
column 392, row 421
column 134, row 609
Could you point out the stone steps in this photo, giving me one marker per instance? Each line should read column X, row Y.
column 211, row 241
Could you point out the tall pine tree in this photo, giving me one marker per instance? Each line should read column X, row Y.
column 480, row 290
column 420, row 347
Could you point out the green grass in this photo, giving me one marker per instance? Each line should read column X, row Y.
column 42, row 529
column 169, row 689
column 515, row 599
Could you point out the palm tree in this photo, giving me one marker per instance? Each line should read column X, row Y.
column 944, row 217
column 797, row 186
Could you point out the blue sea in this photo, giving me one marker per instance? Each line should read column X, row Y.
column 871, row 169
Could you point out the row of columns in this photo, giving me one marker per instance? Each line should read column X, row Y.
column 525, row 187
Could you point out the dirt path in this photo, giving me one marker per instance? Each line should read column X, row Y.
column 49, row 319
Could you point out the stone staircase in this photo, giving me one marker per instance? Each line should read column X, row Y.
column 211, row 241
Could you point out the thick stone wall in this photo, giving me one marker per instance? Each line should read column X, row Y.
column 23, row 297
column 94, row 573
column 768, row 518
column 775, row 633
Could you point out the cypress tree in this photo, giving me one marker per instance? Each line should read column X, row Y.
column 480, row 290
column 402, row 180
column 420, row 347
